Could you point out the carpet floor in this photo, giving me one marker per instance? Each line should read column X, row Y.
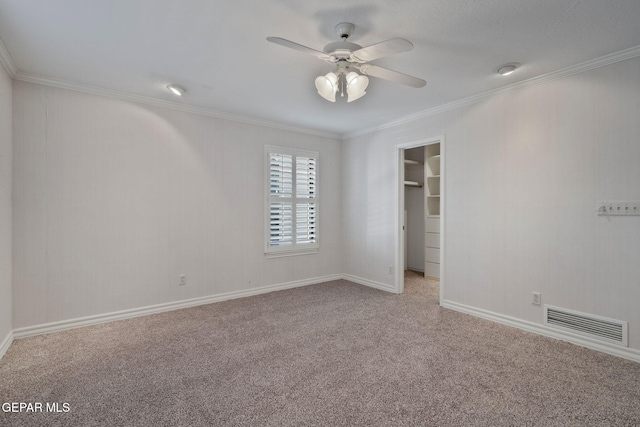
column 332, row 354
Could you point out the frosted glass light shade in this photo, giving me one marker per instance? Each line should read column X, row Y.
column 327, row 86
column 356, row 85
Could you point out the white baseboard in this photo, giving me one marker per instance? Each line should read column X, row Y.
column 370, row 283
column 613, row 349
column 540, row 329
column 159, row 308
column 6, row 342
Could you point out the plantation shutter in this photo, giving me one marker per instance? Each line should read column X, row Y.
column 280, row 204
column 306, row 212
column 292, row 201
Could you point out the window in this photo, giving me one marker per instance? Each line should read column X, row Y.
column 291, row 186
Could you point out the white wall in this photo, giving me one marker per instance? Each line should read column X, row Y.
column 113, row 200
column 5, row 203
column 525, row 170
column 369, row 187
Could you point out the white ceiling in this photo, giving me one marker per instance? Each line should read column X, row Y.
column 217, row 49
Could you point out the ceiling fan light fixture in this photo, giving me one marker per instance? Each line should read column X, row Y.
column 356, row 85
column 176, row 89
column 506, row 69
column 347, row 56
column 327, row 86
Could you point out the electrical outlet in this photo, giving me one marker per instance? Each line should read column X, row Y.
column 536, row 298
column 182, row 280
column 391, row 269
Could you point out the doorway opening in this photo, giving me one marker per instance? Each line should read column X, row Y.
column 420, row 218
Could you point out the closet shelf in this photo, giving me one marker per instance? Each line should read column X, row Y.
column 432, row 172
column 434, row 165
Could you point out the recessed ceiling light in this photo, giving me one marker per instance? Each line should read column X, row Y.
column 176, row 89
column 506, row 69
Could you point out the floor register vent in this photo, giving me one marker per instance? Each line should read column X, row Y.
column 590, row 325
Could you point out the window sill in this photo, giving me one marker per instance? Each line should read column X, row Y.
column 281, row 254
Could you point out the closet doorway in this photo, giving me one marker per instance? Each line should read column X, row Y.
column 420, row 201
column 414, row 209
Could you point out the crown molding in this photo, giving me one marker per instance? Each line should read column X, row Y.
column 11, row 68
column 94, row 90
column 7, row 61
column 544, row 78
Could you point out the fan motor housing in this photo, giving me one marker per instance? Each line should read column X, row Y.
column 341, row 49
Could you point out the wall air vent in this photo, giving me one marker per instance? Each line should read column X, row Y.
column 589, row 325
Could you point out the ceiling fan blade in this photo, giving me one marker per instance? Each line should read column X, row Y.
column 394, row 76
column 378, row 50
column 299, row 47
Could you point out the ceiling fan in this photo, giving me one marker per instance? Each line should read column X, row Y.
column 349, row 58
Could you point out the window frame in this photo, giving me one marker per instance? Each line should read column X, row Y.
column 294, row 248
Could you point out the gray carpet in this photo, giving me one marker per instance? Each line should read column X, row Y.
column 333, row 354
